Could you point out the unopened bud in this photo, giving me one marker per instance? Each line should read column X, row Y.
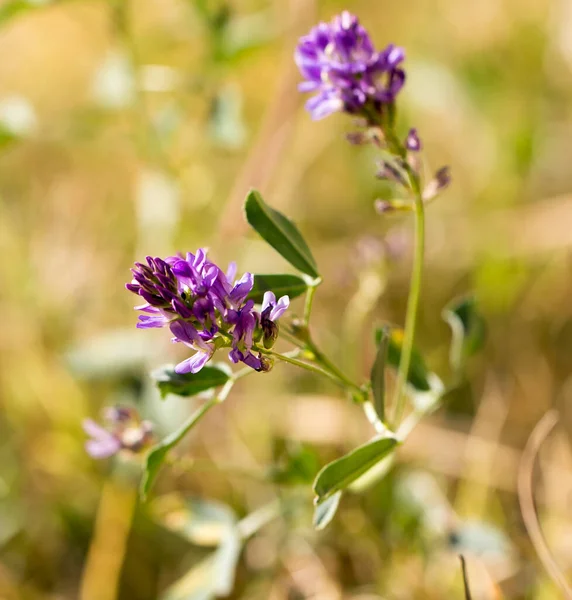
column 390, row 171
column 270, row 333
column 266, row 363
column 412, row 142
column 388, row 206
column 441, row 180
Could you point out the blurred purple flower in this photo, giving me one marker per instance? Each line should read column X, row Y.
column 124, row 431
column 102, row 444
column 339, row 63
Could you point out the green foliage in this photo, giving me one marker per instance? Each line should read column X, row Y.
column 280, row 233
column 294, row 466
column 189, row 384
column 156, row 456
column 418, row 376
column 468, row 330
column 325, row 510
column 340, row 473
column 291, row 285
column 206, row 523
column 377, row 376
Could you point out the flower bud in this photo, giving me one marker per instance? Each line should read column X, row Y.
column 270, row 331
column 412, row 142
column 390, row 171
column 266, row 363
column 388, row 206
column 441, row 180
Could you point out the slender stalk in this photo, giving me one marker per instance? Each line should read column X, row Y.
column 309, row 299
column 304, row 365
column 174, row 438
column 526, row 499
column 412, row 304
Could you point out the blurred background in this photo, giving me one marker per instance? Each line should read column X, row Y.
column 136, row 127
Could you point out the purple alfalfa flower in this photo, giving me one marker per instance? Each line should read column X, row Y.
column 195, row 272
column 204, row 308
column 254, row 362
column 187, row 334
column 125, row 431
column 340, row 64
column 102, row 443
column 156, row 283
column 245, row 320
column 271, row 311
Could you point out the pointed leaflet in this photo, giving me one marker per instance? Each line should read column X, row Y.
column 188, row 384
column 340, row 473
column 324, row 511
column 280, row 233
column 418, row 376
column 468, row 330
column 289, row 285
column 378, row 375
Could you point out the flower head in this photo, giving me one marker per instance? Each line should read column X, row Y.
column 124, row 431
column 339, row 63
column 204, row 308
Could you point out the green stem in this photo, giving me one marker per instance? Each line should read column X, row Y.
column 304, row 365
column 412, row 303
column 309, row 299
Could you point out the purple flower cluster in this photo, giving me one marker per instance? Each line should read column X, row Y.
column 124, row 431
column 205, row 308
column 339, row 62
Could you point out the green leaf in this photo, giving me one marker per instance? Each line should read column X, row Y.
column 340, row 473
column 188, row 384
column 378, row 374
column 280, row 233
column 205, row 523
column 294, row 465
column 418, row 376
column 325, row 510
column 290, row 285
column 468, row 330
column 157, row 454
